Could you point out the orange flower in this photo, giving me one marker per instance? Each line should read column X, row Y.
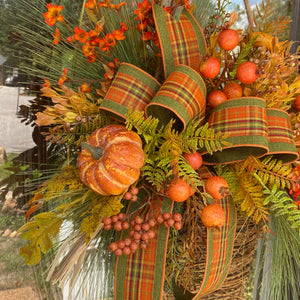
column 123, row 26
column 117, row 6
column 114, row 63
column 86, row 88
column 81, row 35
column 53, row 14
column 88, row 49
column 46, row 83
column 91, row 4
column 147, row 36
column 70, row 38
column 104, row 3
column 91, row 58
column 110, row 40
column 143, row 9
column 142, row 26
column 56, row 36
column 63, row 77
column 118, row 35
column 107, row 42
column 103, row 45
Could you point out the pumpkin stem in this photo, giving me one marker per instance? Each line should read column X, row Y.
column 96, row 152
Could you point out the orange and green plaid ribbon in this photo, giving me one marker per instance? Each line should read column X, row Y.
column 244, row 122
column 219, row 250
column 281, row 139
column 141, row 275
column 182, row 41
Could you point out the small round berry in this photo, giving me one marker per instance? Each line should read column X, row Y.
column 106, row 221
column 118, row 252
column 143, row 245
column 121, row 216
column 107, row 227
column 160, row 218
column 118, row 226
column 134, row 198
column 137, row 227
column 177, row 217
column 134, row 246
column 247, row 72
column 125, row 225
column 114, row 218
column 137, row 236
column 177, row 225
column 127, row 241
column 145, row 226
column 126, row 251
column 121, row 244
column 166, row 216
column 210, row 67
column 152, row 222
column 170, row 222
column 151, row 234
column 145, row 236
column 134, row 191
column 112, row 247
column 138, row 220
column 128, row 196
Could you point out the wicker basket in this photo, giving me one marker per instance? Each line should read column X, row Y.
column 233, row 288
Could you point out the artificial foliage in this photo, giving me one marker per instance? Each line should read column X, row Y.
column 79, row 55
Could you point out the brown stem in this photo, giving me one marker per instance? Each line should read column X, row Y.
column 249, row 13
column 96, row 152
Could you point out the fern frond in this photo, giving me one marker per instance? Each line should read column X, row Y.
column 281, row 204
column 270, row 170
column 249, row 196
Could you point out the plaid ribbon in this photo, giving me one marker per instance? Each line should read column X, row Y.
column 181, row 97
column 281, row 139
column 182, row 41
column 219, row 250
column 131, row 88
column 244, row 121
column 141, row 275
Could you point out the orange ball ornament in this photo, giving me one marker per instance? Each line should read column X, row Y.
column 228, row 39
column 213, row 215
column 233, row 90
column 217, row 187
column 179, row 190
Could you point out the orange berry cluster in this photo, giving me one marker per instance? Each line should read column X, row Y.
column 170, row 220
column 131, row 195
column 118, row 222
column 141, row 231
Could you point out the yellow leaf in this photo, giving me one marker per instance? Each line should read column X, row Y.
column 39, row 232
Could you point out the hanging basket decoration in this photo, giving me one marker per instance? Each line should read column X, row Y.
column 135, row 139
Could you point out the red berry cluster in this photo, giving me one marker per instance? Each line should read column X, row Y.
column 141, row 231
column 170, row 220
column 131, row 195
column 118, row 222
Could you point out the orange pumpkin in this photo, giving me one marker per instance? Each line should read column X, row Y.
column 111, row 159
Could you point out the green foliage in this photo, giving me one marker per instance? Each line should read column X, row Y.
column 243, row 56
column 39, row 232
column 165, row 146
column 248, row 194
column 281, row 204
column 277, row 274
column 270, row 170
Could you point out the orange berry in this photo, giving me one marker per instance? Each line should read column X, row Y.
column 179, row 190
